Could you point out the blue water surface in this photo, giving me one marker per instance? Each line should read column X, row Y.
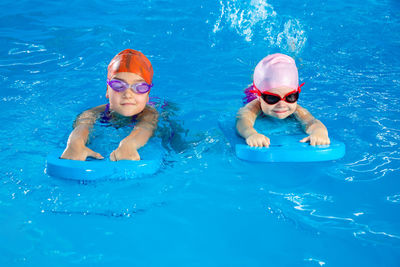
column 205, row 207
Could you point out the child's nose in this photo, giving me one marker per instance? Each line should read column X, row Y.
column 280, row 103
column 128, row 93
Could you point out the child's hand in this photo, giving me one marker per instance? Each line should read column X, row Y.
column 76, row 152
column 258, row 140
column 125, row 151
column 317, row 138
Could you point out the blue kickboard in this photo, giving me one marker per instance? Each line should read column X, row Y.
column 283, row 148
column 105, row 169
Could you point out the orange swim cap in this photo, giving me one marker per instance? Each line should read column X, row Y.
column 130, row 60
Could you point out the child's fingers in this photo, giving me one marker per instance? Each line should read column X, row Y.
column 305, row 139
column 259, row 142
column 313, row 141
column 93, row 154
column 262, row 143
column 319, row 142
column 249, row 142
column 113, row 157
column 98, row 156
column 328, row 141
column 265, row 141
column 135, row 156
column 322, row 142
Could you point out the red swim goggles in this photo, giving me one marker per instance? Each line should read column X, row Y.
column 272, row 99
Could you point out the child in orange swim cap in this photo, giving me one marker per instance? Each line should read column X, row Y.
column 274, row 92
column 129, row 81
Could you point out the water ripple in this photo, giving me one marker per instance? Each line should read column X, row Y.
column 370, row 235
column 29, row 48
column 374, row 166
column 306, row 203
column 28, row 57
column 394, row 198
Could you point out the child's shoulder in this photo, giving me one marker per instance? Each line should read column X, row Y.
column 254, row 106
column 149, row 112
column 98, row 109
column 150, row 109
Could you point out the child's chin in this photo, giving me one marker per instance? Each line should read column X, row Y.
column 127, row 113
column 281, row 116
column 130, row 111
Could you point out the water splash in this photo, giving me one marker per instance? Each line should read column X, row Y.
column 243, row 19
column 292, row 38
column 256, row 20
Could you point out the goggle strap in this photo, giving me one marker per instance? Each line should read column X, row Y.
column 258, row 92
column 255, row 90
column 299, row 88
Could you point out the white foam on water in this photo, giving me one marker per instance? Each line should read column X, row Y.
column 257, row 19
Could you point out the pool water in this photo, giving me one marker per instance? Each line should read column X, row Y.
column 205, row 207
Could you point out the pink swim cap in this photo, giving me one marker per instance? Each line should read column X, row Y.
column 276, row 70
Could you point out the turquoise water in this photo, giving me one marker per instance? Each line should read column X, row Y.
column 205, row 207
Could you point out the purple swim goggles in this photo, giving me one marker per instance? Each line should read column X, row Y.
column 121, row 86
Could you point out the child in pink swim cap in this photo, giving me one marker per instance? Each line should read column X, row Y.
column 274, row 92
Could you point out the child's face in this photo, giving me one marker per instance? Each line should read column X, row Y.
column 282, row 109
column 127, row 103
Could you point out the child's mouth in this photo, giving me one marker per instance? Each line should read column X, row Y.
column 280, row 111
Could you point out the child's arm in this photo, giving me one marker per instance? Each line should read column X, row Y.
column 318, row 134
column 144, row 129
column 245, row 119
column 76, row 147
